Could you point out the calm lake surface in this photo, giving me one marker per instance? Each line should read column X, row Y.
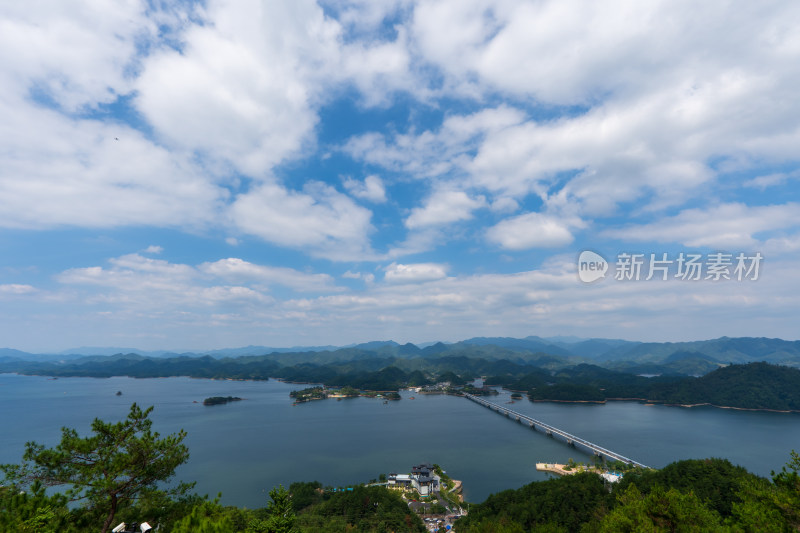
column 243, row 449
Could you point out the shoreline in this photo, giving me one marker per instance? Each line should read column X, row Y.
column 570, row 401
column 764, row 410
column 687, row 405
column 560, row 469
column 640, row 400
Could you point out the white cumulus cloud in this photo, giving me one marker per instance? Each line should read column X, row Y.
column 16, row 289
column 722, row 226
column 531, row 230
column 320, row 220
column 444, row 207
column 236, row 269
column 371, row 189
column 414, row 273
column 241, row 89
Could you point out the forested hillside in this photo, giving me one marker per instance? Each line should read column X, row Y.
column 746, row 386
column 693, row 495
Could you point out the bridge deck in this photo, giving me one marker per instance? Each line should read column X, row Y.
column 551, row 430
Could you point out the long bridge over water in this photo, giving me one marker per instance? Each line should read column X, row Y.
column 570, row 439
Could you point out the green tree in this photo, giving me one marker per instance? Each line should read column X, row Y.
column 305, row 494
column 566, row 502
column 501, row 524
column 362, row 509
column 33, row 511
column 111, row 468
column 205, row 517
column 787, row 482
column 281, row 513
column 715, row 481
column 755, row 510
column 660, row 510
column 768, row 507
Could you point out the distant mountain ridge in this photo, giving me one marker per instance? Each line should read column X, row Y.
column 689, row 358
column 532, row 343
column 722, row 350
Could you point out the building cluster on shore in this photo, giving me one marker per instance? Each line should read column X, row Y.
column 422, row 478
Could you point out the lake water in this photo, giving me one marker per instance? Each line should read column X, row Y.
column 243, row 449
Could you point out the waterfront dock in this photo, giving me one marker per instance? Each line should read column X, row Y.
column 567, row 470
column 557, row 468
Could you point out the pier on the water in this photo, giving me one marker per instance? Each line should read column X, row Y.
column 570, row 439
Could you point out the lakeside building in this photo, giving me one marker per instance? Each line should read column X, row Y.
column 611, row 477
column 422, row 478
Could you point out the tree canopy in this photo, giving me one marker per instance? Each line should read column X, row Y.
column 118, row 463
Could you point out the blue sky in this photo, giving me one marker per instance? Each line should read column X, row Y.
column 196, row 175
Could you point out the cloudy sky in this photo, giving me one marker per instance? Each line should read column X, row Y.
column 196, row 175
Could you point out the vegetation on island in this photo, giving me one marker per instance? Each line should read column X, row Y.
column 311, row 393
column 556, row 376
column 479, row 391
column 346, row 392
column 118, row 474
column 321, row 393
column 220, row 400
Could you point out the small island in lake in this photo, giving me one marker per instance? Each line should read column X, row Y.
column 219, row 400
column 320, row 393
column 311, row 393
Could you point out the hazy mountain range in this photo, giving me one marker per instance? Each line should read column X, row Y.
column 692, row 358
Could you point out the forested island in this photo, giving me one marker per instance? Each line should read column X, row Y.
column 690, row 495
column 220, row 400
column 321, row 393
column 311, row 393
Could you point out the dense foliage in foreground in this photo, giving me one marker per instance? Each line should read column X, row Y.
column 692, row 495
column 304, row 508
